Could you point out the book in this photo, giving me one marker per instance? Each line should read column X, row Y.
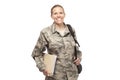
column 49, row 61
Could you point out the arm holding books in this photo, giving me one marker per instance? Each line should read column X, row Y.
column 38, row 54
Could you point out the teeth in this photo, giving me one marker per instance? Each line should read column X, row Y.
column 58, row 19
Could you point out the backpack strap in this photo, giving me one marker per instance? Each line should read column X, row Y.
column 72, row 33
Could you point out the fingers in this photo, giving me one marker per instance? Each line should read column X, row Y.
column 45, row 72
column 77, row 61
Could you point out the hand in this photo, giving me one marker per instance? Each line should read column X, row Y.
column 45, row 73
column 77, row 61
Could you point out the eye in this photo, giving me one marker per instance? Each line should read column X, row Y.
column 55, row 13
column 61, row 12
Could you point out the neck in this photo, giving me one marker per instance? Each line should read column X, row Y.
column 60, row 26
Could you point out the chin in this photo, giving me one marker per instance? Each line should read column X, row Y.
column 59, row 22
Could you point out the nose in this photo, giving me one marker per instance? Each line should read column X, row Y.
column 58, row 15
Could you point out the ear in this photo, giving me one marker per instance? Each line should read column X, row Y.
column 51, row 16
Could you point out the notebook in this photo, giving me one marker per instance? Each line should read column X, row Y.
column 49, row 61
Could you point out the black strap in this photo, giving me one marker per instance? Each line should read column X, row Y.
column 79, row 67
column 72, row 33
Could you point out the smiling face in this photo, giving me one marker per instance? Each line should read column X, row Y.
column 58, row 15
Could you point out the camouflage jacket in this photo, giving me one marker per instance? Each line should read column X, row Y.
column 55, row 43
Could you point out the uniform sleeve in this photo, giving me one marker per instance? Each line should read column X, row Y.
column 79, row 52
column 38, row 50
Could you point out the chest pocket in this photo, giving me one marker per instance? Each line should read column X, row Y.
column 55, row 44
column 69, row 41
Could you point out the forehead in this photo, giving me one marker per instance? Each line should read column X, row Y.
column 57, row 9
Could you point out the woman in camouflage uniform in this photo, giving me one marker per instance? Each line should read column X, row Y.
column 57, row 40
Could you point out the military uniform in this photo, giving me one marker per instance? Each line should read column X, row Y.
column 60, row 45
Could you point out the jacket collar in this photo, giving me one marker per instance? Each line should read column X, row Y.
column 53, row 29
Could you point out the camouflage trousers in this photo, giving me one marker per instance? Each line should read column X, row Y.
column 64, row 74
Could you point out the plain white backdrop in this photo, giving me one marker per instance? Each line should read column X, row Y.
column 96, row 23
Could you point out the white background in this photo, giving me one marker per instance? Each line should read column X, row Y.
column 96, row 23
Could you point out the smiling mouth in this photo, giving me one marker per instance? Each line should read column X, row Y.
column 59, row 19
